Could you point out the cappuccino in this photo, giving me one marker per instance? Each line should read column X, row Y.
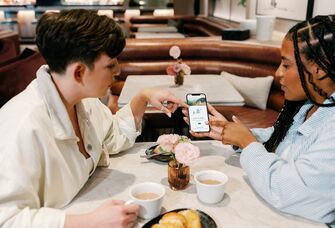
column 210, row 181
column 146, row 196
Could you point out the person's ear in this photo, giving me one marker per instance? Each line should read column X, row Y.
column 78, row 72
column 320, row 74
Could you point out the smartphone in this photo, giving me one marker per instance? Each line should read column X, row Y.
column 198, row 112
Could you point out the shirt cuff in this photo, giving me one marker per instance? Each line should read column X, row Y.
column 126, row 122
column 49, row 217
column 249, row 152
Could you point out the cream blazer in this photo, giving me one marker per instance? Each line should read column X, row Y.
column 41, row 166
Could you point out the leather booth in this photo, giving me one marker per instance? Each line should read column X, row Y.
column 189, row 25
column 9, row 46
column 16, row 75
column 150, row 57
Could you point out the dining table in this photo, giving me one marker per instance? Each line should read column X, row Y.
column 241, row 206
column 160, row 35
column 219, row 91
column 158, row 29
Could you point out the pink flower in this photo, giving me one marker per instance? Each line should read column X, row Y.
column 185, row 68
column 186, row 153
column 171, row 139
column 170, row 70
column 177, row 67
column 174, row 52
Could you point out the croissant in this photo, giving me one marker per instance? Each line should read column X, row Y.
column 192, row 218
column 182, row 219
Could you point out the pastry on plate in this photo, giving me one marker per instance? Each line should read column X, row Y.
column 167, row 225
column 181, row 219
column 192, row 218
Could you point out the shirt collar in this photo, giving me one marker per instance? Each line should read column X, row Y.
column 314, row 122
column 60, row 119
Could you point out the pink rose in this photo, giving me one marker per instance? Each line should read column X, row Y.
column 170, row 70
column 186, row 153
column 176, row 67
column 175, row 52
column 171, row 139
column 168, row 142
column 185, row 68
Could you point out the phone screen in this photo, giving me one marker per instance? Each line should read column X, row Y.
column 197, row 112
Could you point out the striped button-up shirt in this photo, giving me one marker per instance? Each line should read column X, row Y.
column 299, row 178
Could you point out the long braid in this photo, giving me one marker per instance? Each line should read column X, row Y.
column 321, row 51
column 283, row 123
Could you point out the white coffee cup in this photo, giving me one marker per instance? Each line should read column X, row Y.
column 150, row 207
column 264, row 27
column 207, row 190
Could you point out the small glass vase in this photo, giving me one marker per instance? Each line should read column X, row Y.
column 178, row 175
column 179, row 79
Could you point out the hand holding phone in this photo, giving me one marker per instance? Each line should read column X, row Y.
column 198, row 112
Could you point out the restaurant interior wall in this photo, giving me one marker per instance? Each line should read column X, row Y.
column 230, row 10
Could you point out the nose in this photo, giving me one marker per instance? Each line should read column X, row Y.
column 117, row 70
column 279, row 72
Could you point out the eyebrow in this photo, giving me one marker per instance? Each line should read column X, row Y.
column 110, row 64
column 285, row 58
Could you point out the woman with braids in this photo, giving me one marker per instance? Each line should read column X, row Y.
column 292, row 164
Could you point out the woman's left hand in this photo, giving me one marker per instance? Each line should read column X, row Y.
column 158, row 97
column 213, row 114
column 234, row 133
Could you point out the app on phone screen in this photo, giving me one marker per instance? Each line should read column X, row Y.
column 198, row 114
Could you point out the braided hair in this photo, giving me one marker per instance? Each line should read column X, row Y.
column 315, row 40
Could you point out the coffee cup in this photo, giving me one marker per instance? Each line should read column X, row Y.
column 210, row 185
column 149, row 196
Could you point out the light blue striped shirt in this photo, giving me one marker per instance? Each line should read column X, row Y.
column 299, row 178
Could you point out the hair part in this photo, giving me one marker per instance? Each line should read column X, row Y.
column 77, row 36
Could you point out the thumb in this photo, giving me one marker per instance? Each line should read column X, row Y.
column 166, row 111
column 117, row 202
column 235, row 119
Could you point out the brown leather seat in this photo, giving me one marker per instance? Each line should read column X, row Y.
column 189, row 25
column 251, row 117
column 8, row 50
column 150, row 57
column 17, row 75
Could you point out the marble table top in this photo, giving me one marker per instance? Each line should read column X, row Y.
column 158, row 35
column 158, row 29
column 241, row 207
column 217, row 89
